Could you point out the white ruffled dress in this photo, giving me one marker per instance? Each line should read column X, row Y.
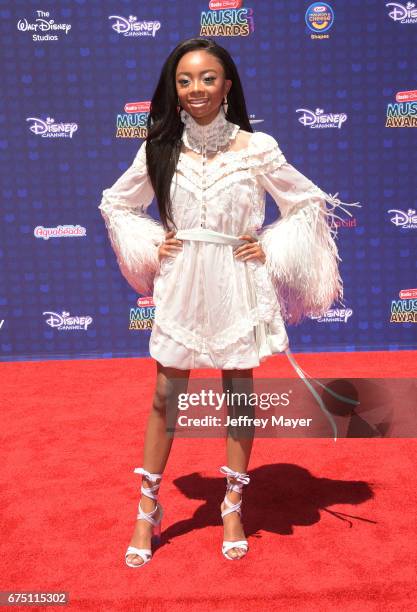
column 204, row 317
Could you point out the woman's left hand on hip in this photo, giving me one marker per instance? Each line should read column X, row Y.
column 252, row 250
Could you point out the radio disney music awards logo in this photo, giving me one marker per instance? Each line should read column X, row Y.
column 403, row 112
column 132, row 123
column 227, row 18
column 130, row 26
column 49, row 129
column 404, row 13
column 43, row 23
column 406, row 220
column 143, row 315
column 63, row 321
column 334, row 315
column 319, row 119
column 404, row 310
column 319, row 18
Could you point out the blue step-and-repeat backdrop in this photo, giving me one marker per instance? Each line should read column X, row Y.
column 335, row 83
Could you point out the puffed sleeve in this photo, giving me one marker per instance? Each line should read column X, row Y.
column 301, row 253
column 134, row 235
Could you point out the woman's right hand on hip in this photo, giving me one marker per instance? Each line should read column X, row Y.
column 170, row 247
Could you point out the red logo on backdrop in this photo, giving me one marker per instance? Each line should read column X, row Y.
column 407, row 294
column 406, row 96
column 137, row 107
column 219, row 5
column 144, row 302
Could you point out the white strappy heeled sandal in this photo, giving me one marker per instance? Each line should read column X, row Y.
column 146, row 553
column 242, row 479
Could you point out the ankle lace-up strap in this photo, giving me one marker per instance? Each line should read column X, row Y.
column 151, row 477
column 241, row 477
column 151, row 492
column 148, row 516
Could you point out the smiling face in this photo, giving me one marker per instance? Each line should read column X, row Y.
column 201, row 85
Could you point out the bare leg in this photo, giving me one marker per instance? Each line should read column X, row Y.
column 238, row 449
column 157, row 446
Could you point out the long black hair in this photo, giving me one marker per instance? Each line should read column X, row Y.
column 164, row 125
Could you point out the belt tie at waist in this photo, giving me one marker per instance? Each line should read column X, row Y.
column 207, row 235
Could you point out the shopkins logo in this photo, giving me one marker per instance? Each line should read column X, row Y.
column 65, row 322
column 404, row 310
column 319, row 18
column 143, row 316
column 133, row 122
column 401, row 13
column 132, row 27
column 320, row 119
column 406, row 220
column 43, row 23
column 50, row 129
column 403, row 112
column 227, row 18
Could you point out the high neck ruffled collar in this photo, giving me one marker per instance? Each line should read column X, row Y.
column 215, row 135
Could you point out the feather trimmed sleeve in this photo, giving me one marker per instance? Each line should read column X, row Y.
column 134, row 235
column 301, row 253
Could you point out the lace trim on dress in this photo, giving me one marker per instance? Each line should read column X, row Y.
column 265, row 293
column 242, row 164
column 219, row 341
column 214, row 135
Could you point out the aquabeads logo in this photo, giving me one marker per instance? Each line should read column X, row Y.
column 60, row 231
column 227, row 18
column 402, row 112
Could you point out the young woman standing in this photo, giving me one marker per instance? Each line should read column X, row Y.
column 222, row 285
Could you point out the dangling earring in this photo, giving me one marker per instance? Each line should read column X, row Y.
column 178, row 106
column 225, row 105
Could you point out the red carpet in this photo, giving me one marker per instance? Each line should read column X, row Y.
column 330, row 525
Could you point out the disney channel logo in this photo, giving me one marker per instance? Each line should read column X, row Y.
column 320, row 119
column 404, row 219
column 334, row 315
column 50, row 129
column 65, row 322
column 401, row 13
column 132, row 27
